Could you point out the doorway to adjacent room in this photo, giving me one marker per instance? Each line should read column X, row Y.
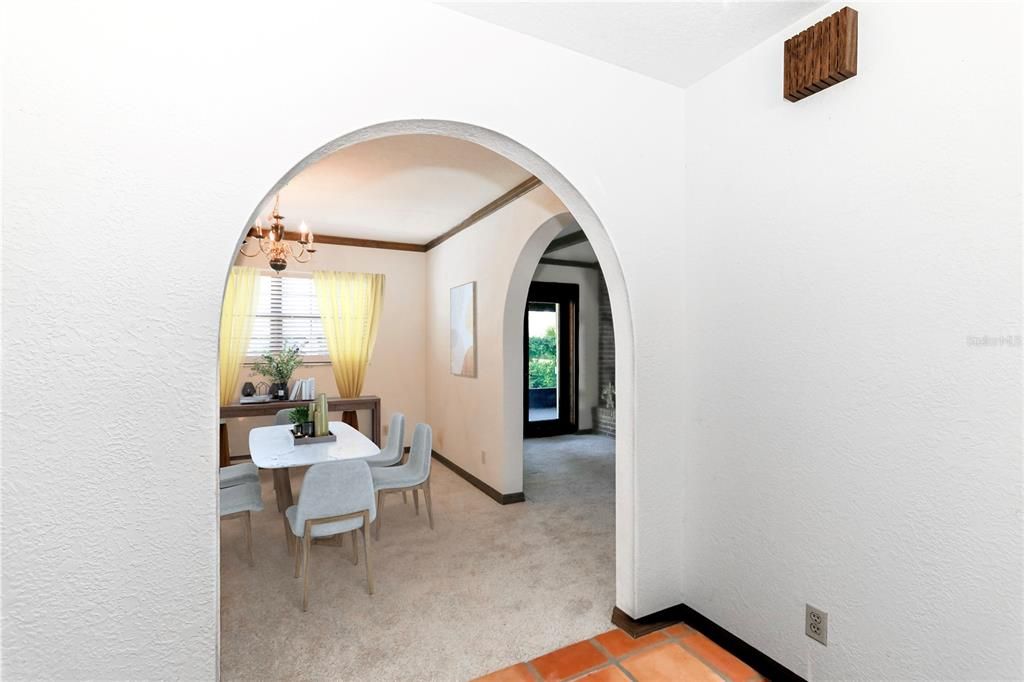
column 551, row 360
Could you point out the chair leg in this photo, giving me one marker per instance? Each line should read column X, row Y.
column 355, row 549
column 298, row 564
column 426, row 496
column 289, row 539
column 247, row 523
column 415, row 500
column 366, row 551
column 380, row 509
column 405, row 500
column 305, row 569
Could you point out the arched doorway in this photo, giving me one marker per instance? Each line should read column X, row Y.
column 512, row 331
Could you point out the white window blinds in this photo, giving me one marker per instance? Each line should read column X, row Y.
column 287, row 312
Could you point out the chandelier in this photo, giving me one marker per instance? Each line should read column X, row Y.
column 272, row 243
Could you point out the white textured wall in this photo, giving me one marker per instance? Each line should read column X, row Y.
column 844, row 445
column 397, row 372
column 146, row 134
column 589, row 391
column 468, row 414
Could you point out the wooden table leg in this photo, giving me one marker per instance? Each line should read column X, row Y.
column 375, row 423
column 225, row 447
column 283, row 493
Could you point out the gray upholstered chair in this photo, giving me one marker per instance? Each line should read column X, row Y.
column 239, row 501
column 393, row 451
column 247, row 472
column 414, row 475
column 237, row 474
column 336, row 498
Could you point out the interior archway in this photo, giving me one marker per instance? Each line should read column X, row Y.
column 512, row 411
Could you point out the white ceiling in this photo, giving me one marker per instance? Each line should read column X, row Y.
column 407, row 188
column 675, row 42
column 412, row 188
column 581, row 253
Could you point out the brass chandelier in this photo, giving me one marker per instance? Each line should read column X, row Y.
column 272, row 243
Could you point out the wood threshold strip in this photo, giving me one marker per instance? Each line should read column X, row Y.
column 499, row 497
column 505, row 199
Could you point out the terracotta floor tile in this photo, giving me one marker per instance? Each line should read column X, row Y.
column 668, row 663
column 568, row 661
column 607, row 674
column 677, row 630
column 618, row 643
column 726, row 663
column 514, row 673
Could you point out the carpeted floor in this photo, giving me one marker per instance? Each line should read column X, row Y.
column 491, row 585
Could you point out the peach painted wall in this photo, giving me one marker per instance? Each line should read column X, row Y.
column 397, row 372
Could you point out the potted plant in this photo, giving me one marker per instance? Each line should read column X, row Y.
column 278, row 368
column 300, row 418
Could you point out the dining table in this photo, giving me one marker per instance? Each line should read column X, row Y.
column 277, row 449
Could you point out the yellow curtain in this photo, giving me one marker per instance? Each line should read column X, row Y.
column 235, row 328
column 350, row 305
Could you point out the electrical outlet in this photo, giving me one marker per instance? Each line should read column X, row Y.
column 816, row 624
column 483, row 457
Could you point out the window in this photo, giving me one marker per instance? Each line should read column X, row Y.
column 287, row 311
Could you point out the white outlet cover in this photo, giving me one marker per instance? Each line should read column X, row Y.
column 816, row 624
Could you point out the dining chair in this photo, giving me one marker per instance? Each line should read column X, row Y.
column 283, row 417
column 237, row 474
column 239, row 501
column 413, row 476
column 392, row 452
column 336, row 497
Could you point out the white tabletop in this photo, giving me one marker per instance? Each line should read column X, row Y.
column 273, row 447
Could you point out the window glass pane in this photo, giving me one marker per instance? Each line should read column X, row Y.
column 542, row 330
column 287, row 312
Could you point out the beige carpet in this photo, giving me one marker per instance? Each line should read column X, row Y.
column 490, row 586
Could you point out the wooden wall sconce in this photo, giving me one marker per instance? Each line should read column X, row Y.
column 820, row 56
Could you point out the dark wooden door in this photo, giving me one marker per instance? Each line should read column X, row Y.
column 551, row 360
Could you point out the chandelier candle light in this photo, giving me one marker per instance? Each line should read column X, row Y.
column 272, row 243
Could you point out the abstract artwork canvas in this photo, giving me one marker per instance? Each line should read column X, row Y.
column 463, row 323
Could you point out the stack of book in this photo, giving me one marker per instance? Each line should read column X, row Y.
column 303, row 389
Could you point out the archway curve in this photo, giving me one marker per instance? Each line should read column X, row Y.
column 625, row 366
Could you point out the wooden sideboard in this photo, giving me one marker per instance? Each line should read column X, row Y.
column 271, row 407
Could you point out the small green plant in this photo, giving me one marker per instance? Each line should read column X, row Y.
column 279, row 367
column 299, row 415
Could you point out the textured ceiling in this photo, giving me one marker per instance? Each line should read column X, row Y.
column 408, row 188
column 675, row 42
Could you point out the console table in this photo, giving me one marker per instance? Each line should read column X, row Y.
column 271, row 407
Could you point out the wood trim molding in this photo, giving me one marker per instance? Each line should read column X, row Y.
column 571, row 239
column 505, row 199
column 364, row 243
column 499, row 497
column 569, row 263
column 681, row 613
